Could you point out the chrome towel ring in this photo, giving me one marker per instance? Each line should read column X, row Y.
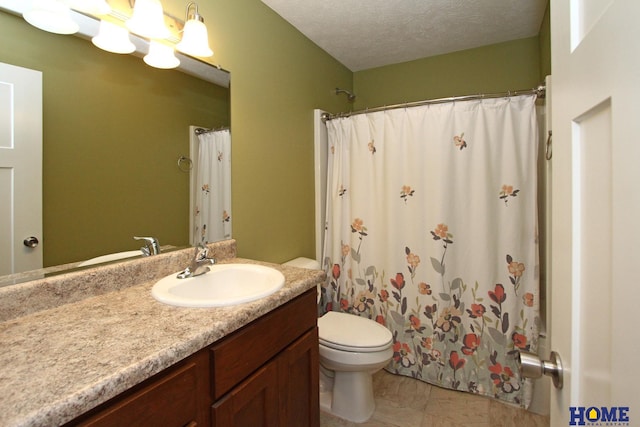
column 185, row 164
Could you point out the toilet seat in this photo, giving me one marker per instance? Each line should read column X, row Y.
column 348, row 332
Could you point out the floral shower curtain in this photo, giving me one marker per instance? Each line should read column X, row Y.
column 213, row 181
column 432, row 231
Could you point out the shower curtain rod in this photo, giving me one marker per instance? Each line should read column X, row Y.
column 200, row 131
column 539, row 92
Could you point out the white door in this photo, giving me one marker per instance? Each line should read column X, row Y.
column 20, row 168
column 596, row 210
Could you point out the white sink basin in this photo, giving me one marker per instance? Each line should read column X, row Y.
column 225, row 284
column 111, row 257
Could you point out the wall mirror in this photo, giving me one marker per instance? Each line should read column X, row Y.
column 114, row 130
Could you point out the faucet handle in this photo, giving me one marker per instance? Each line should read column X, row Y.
column 202, row 254
column 152, row 246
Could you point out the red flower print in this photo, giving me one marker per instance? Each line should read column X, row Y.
column 402, row 354
column 380, row 319
column 497, row 295
column 383, row 295
column 519, row 340
column 415, row 322
column 503, row 378
column 477, row 311
column 398, row 282
column 471, row 343
column 455, row 361
column 335, row 271
column 344, row 304
column 329, row 307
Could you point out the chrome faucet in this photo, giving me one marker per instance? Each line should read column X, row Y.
column 199, row 264
column 151, row 246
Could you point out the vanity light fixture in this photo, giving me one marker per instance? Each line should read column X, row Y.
column 161, row 56
column 195, row 39
column 92, row 7
column 51, row 15
column 148, row 20
column 113, row 38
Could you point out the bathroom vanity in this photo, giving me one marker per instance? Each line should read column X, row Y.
column 118, row 357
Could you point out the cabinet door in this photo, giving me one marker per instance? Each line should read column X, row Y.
column 298, row 372
column 253, row 403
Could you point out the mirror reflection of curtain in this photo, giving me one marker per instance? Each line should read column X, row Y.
column 213, row 183
column 432, row 231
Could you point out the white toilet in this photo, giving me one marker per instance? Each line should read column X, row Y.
column 352, row 349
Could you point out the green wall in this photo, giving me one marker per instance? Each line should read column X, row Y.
column 496, row 68
column 278, row 77
column 113, row 129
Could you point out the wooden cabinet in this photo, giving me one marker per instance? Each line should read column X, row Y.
column 265, row 374
column 282, row 393
column 177, row 396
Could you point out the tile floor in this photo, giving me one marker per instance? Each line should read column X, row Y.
column 405, row 402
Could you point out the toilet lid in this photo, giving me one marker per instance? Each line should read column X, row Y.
column 349, row 332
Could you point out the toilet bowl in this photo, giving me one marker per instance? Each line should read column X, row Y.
column 352, row 349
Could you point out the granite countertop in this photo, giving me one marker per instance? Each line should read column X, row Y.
column 57, row 363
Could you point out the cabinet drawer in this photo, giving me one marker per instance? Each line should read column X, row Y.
column 169, row 401
column 236, row 357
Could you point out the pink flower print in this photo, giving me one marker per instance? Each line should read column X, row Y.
column 442, row 233
column 459, row 141
column 372, row 147
column 406, row 192
column 528, row 299
column 506, row 192
column 424, row 288
column 516, row 269
column 449, row 318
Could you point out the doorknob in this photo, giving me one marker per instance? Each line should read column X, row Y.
column 31, row 242
column 531, row 366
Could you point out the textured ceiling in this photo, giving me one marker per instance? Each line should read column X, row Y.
column 364, row 34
